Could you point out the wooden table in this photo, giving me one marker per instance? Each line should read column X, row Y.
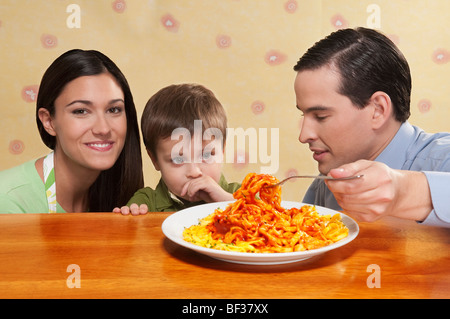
column 115, row 256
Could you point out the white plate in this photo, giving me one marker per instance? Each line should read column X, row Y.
column 174, row 225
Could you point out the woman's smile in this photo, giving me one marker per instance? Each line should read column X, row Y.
column 100, row 146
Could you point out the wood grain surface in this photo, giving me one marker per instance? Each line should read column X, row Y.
column 115, row 256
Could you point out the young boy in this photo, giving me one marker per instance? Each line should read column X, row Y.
column 184, row 130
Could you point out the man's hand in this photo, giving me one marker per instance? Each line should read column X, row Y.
column 382, row 191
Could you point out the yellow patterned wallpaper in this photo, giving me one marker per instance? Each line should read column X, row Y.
column 243, row 50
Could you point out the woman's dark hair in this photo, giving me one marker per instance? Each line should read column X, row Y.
column 115, row 186
column 367, row 62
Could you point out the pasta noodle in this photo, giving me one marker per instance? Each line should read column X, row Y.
column 257, row 223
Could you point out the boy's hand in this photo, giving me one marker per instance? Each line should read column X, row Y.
column 134, row 209
column 206, row 189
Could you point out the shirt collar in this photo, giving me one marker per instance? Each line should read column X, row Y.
column 175, row 198
column 394, row 155
column 163, row 200
column 169, row 201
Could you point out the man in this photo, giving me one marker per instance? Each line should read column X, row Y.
column 353, row 89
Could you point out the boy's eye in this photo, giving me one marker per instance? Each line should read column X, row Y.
column 178, row 160
column 207, row 155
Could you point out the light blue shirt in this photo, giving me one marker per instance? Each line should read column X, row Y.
column 414, row 150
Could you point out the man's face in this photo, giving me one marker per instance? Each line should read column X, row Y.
column 336, row 130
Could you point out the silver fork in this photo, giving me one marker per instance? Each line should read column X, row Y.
column 316, row 177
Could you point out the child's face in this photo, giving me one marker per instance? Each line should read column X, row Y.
column 178, row 166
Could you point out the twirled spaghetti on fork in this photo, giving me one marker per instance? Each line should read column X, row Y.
column 257, row 223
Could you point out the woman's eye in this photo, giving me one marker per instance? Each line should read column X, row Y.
column 79, row 112
column 116, row 110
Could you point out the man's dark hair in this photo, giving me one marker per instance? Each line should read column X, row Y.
column 367, row 62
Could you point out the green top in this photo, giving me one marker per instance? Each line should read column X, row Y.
column 162, row 200
column 23, row 191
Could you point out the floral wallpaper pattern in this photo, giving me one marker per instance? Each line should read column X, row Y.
column 243, row 50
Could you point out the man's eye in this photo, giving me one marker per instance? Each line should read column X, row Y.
column 320, row 118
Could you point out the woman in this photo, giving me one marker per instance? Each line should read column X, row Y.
column 85, row 113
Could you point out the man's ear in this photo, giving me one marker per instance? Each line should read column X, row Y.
column 47, row 121
column 382, row 109
column 154, row 160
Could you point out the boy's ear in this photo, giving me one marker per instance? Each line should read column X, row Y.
column 154, row 160
column 46, row 120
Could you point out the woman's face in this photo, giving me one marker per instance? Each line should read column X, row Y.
column 89, row 122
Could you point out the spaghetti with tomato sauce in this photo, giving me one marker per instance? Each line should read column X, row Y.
column 257, row 223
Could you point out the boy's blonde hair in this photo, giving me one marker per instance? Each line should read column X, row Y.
column 178, row 106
